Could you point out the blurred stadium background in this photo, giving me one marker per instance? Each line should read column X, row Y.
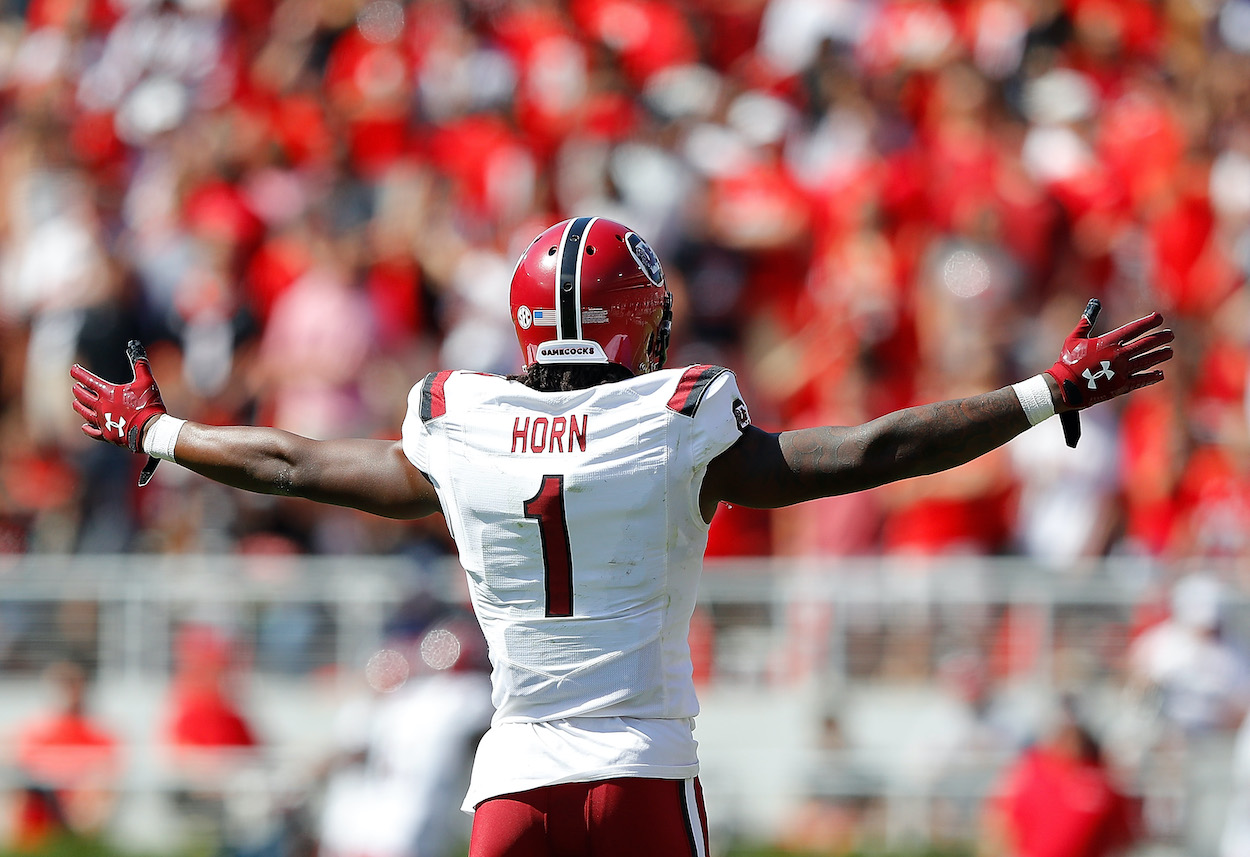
column 303, row 206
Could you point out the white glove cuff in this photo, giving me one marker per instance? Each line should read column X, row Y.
column 1034, row 396
column 161, row 436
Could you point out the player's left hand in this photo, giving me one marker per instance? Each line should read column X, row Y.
column 1094, row 369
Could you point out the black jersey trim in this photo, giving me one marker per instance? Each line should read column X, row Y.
column 433, row 399
column 692, row 387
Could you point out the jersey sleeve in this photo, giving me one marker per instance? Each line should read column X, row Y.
column 710, row 396
column 426, row 403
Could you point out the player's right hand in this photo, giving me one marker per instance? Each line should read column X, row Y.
column 1093, row 369
column 117, row 413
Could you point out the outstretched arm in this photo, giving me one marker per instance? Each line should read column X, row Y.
column 766, row 470
column 372, row 475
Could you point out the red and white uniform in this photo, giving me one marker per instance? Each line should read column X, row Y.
column 585, row 589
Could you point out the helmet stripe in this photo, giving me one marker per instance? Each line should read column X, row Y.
column 582, row 253
column 569, row 279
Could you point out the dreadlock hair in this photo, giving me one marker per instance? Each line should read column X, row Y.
column 566, row 377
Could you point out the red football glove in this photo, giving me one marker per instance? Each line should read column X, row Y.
column 1093, row 370
column 117, row 413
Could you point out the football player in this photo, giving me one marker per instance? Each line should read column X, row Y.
column 579, row 494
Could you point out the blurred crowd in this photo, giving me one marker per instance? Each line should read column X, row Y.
column 385, row 779
column 303, row 206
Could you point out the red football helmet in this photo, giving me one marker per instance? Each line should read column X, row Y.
column 589, row 290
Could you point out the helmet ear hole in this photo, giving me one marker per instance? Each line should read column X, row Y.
column 590, row 251
column 551, row 251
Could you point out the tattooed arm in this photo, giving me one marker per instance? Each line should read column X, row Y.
column 361, row 473
column 768, row 470
column 764, row 470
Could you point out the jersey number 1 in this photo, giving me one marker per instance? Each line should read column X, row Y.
column 547, row 507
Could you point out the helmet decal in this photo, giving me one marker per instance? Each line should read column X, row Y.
column 569, row 278
column 645, row 257
column 524, row 317
column 570, row 351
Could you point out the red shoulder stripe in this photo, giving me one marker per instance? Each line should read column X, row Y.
column 690, row 389
column 433, row 403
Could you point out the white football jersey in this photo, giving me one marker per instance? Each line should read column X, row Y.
column 576, row 516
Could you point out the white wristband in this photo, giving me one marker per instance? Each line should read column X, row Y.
column 1034, row 396
column 161, row 437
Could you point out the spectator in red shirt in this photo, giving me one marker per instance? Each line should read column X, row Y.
column 211, row 742
column 67, row 762
column 1059, row 799
column 203, row 718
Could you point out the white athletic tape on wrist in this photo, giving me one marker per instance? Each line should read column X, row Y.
column 1034, row 396
column 161, row 437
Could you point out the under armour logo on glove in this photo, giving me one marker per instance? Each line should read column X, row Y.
column 119, row 426
column 1112, row 364
column 1104, row 372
